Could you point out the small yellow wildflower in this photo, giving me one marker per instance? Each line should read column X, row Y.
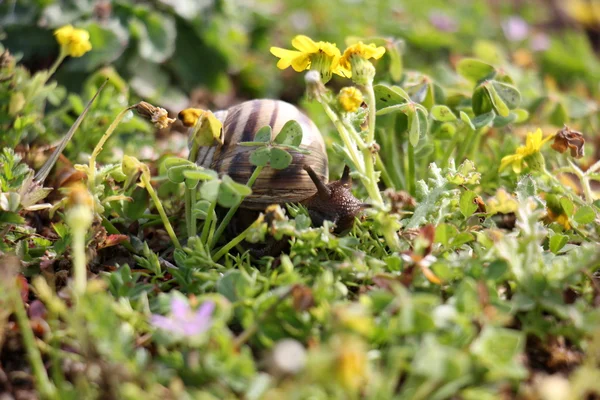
column 190, row 116
column 529, row 153
column 75, row 42
column 355, row 59
column 351, row 364
column 320, row 56
column 561, row 219
column 502, row 203
column 350, row 98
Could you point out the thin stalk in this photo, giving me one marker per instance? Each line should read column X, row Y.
column 233, row 209
column 61, row 57
column 145, row 178
column 234, row 242
column 411, row 182
column 463, row 149
column 339, row 125
column 208, row 222
column 98, row 148
column 193, row 229
column 587, row 190
column 187, row 195
column 372, row 188
column 79, row 262
column 370, row 100
column 45, row 387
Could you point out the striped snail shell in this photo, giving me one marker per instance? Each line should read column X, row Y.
column 240, row 124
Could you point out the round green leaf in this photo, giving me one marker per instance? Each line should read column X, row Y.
column 499, row 105
column 263, row 135
column 199, row 173
column 465, row 118
column 385, row 96
column 290, row 134
column 280, row 159
column 481, row 101
column 467, row 205
column 239, row 188
column 557, row 242
column 508, row 93
column 474, row 70
column 584, row 215
column 176, row 161
column 175, row 173
column 260, row 157
column 156, row 34
column 442, row 113
column 483, row 119
column 210, row 190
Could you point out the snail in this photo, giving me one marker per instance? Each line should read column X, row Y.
column 303, row 181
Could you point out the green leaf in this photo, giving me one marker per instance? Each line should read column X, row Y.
column 263, row 135
column 557, row 242
column 238, row 188
column 385, row 96
column 499, row 105
column 480, row 101
column 280, row 159
column 199, row 173
column 444, row 233
column 465, row 118
column 136, row 208
column 418, row 126
column 176, row 161
column 584, row 215
column 467, row 205
column 483, row 119
column 261, row 156
column 474, row 70
column 155, row 33
column 207, row 130
column 442, row 113
column 290, row 134
column 175, row 173
column 559, row 115
column 508, row 93
column 210, row 190
column 499, row 350
column 567, row 206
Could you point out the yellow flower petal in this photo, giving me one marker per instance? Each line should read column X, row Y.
column 508, row 160
column 63, row 34
column 286, row 56
column 75, row 42
column 305, row 44
column 301, row 63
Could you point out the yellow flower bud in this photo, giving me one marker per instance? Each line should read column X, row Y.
column 74, row 42
column 190, row 116
column 350, row 99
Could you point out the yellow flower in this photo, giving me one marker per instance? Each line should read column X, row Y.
column 530, row 152
column 320, row 56
column 503, row 203
column 351, row 364
column 359, row 52
column 75, row 42
column 350, row 98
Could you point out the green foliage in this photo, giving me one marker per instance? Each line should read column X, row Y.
column 462, row 282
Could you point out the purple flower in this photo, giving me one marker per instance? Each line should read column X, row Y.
column 184, row 321
column 515, row 29
column 442, row 22
column 540, row 42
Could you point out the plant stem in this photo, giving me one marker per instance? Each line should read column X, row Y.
column 98, row 148
column 411, row 182
column 345, row 136
column 145, row 178
column 587, row 190
column 450, row 149
column 234, row 242
column 61, row 57
column 370, row 100
column 208, row 222
column 233, row 209
column 45, row 387
column 79, row 262
column 193, row 227
column 187, row 195
column 372, row 188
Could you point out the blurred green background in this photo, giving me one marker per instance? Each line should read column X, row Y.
column 216, row 51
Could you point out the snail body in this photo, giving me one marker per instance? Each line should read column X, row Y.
column 303, row 181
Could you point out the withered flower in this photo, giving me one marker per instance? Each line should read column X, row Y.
column 569, row 139
column 157, row 115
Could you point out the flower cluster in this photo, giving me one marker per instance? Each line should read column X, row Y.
column 326, row 58
column 74, row 42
